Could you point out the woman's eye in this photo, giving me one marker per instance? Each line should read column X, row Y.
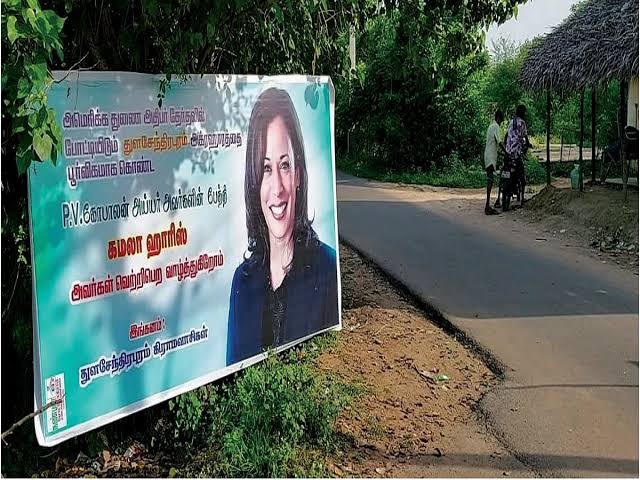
column 285, row 165
column 266, row 168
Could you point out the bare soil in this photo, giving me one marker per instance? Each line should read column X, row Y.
column 598, row 218
column 416, row 417
column 597, row 223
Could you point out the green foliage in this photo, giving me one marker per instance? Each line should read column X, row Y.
column 454, row 173
column 30, row 40
column 504, row 91
column 534, row 171
column 270, row 412
column 418, row 98
column 189, row 410
column 241, row 36
column 273, row 419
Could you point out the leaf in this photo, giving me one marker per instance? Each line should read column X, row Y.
column 38, row 72
column 30, row 16
column 42, row 145
column 43, row 25
column 33, row 4
column 279, row 15
column 23, row 87
column 292, row 45
column 12, row 33
column 23, row 160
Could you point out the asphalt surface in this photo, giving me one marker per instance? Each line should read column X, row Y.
column 564, row 325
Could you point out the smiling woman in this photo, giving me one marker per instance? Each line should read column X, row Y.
column 287, row 287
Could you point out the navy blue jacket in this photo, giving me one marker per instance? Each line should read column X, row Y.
column 311, row 301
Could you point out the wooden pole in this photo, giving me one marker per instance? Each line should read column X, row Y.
column 548, row 136
column 593, row 135
column 581, row 138
column 623, row 121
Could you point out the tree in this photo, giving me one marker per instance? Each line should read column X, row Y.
column 417, row 101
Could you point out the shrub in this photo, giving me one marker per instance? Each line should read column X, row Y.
column 269, row 415
column 273, row 419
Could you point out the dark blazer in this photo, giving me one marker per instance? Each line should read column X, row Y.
column 312, row 300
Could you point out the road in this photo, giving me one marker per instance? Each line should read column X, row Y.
column 564, row 325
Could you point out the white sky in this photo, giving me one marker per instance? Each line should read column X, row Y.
column 536, row 17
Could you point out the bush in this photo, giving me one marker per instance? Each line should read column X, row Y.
column 274, row 419
column 534, row 171
column 454, row 173
column 269, row 415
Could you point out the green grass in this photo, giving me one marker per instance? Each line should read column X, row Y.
column 275, row 419
column 457, row 175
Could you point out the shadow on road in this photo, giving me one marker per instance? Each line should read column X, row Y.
column 466, row 272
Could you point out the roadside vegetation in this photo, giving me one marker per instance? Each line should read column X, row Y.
column 425, row 121
column 414, row 109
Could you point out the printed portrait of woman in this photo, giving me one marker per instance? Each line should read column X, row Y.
column 286, row 286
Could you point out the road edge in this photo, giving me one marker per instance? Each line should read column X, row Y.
column 448, row 325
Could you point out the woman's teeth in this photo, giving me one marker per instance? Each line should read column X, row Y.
column 278, row 211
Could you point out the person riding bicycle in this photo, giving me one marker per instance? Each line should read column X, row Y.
column 517, row 144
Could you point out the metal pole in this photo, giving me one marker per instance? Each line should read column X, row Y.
column 581, row 137
column 593, row 135
column 548, row 136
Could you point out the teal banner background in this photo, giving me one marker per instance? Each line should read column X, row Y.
column 70, row 336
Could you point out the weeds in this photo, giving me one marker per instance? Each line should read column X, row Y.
column 274, row 419
column 453, row 174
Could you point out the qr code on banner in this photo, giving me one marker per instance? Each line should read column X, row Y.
column 57, row 414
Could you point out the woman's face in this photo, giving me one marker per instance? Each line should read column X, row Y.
column 279, row 182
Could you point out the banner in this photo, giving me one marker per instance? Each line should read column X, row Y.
column 174, row 244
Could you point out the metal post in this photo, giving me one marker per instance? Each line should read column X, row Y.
column 581, row 137
column 593, row 135
column 548, row 136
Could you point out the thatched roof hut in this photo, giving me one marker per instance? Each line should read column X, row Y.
column 597, row 43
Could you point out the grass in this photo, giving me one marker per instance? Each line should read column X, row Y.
column 275, row 419
column 457, row 175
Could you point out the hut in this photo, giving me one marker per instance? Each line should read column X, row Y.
column 595, row 44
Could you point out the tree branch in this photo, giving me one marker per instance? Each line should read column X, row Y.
column 6, row 309
column 73, row 67
column 30, row 416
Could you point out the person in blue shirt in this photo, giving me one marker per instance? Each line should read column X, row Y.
column 286, row 288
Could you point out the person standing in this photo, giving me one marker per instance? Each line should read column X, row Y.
column 491, row 156
column 517, row 145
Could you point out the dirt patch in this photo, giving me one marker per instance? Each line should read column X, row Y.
column 597, row 223
column 416, row 417
column 599, row 218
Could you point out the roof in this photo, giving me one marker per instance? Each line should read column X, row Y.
column 596, row 43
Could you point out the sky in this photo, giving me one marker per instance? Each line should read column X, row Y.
column 536, row 17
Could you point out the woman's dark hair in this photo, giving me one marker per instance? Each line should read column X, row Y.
column 499, row 116
column 273, row 103
column 521, row 111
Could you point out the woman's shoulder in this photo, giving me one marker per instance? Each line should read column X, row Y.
column 326, row 253
column 319, row 255
column 249, row 271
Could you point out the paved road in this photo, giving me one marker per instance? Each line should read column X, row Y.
column 565, row 325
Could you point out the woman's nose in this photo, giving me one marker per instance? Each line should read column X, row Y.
column 277, row 185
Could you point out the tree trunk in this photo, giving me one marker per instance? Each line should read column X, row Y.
column 548, row 136
column 581, row 139
column 623, row 121
column 593, row 135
